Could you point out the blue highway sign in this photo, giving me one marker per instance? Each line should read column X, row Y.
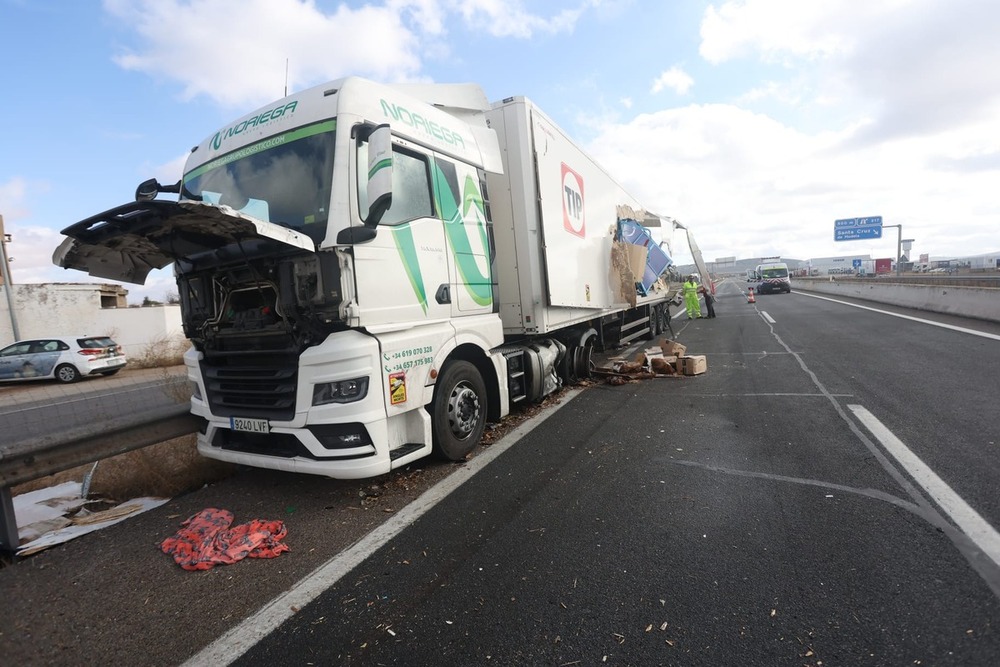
column 852, row 229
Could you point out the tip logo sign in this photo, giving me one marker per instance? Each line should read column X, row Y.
column 573, row 218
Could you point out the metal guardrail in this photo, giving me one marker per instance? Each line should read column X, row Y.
column 55, row 453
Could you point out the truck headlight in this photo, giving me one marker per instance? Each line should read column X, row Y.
column 343, row 391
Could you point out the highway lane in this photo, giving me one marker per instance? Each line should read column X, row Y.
column 739, row 517
column 742, row 517
column 42, row 408
column 931, row 386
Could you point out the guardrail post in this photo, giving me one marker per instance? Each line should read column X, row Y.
column 8, row 523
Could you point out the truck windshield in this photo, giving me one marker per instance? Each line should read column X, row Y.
column 285, row 179
column 774, row 272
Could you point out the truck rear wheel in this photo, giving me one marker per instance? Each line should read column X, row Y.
column 458, row 416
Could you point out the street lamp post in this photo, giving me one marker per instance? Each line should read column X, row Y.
column 5, row 271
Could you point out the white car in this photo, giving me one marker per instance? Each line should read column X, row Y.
column 63, row 358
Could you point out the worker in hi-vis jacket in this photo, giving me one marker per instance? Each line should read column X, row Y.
column 691, row 298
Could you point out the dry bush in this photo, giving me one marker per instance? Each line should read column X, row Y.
column 161, row 351
column 165, row 470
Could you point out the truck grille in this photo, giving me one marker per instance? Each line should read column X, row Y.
column 251, row 384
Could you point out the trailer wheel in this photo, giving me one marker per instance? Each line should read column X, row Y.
column 565, row 366
column 458, row 416
column 582, row 362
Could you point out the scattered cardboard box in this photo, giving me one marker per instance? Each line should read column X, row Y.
column 672, row 348
column 694, row 364
column 663, row 365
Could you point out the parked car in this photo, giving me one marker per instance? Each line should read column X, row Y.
column 63, row 358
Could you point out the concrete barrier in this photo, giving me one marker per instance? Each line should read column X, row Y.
column 982, row 303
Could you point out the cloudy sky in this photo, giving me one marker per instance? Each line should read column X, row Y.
column 757, row 123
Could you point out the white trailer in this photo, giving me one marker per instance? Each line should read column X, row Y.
column 369, row 273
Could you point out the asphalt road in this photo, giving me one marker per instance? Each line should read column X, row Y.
column 41, row 408
column 754, row 515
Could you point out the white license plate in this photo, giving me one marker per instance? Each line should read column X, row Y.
column 249, row 425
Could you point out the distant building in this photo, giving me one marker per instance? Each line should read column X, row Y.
column 89, row 309
column 842, row 264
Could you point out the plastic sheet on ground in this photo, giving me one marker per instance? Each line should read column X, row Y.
column 43, row 514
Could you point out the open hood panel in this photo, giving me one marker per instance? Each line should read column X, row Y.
column 127, row 242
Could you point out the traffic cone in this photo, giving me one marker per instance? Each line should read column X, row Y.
column 750, row 298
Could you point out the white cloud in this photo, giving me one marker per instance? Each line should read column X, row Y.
column 626, row 102
column 31, row 249
column 675, row 79
column 792, row 94
column 427, row 15
column 775, row 29
column 12, row 197
column 235, row 51
column 509, row 18
column 923, row 65
column 751, row 186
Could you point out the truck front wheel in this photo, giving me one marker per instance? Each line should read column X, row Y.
column 458, row 415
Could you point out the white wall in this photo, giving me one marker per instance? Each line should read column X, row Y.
column 979, row 302
column 75, row 309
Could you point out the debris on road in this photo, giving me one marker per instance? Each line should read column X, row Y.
column 55, row 515
column 668, row 359
column 208, row 539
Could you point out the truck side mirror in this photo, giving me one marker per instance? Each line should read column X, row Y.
column 148, row 190
column 379, row 174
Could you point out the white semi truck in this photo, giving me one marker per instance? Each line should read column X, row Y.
column 369, row 273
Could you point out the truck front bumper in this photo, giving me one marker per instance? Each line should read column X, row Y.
column 341, row 440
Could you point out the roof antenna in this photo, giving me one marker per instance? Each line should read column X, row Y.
column 286, row 77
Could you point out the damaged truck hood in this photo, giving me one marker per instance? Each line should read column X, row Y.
column 127, row 242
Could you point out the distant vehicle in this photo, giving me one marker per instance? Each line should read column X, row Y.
column 771, row 277
column 64, row 358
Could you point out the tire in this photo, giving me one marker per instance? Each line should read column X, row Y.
column 586, row 358
column 458, row 415
column 665, row 319
column 67, row 373
column 110, row 373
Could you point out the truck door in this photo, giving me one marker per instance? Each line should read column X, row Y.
column 464, row 208
column 402, row 274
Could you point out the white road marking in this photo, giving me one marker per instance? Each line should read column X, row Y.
column 240, row 639
column 767, row 317
column 967, row 519
column 983, row 334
